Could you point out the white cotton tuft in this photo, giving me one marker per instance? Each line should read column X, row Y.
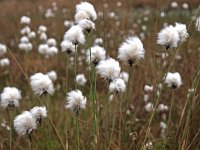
column 3, row 49
column 32, row 35
column 148, row 88
column 4, row 62
column 51, row 42
column 117, row 86
column 182, row 31
column 80, row 79
column 25, row 123
column 25, row 20
column 39, row 113
column 88, row 9
column 98, row 41
column 168, row 37
column 67, row 47
column 43, row 37
column 41, row 84
column 86, row 25
column 148, row 107
column 42, row 29
column 109, row 69
column 76, row 101
column 131, row 51
column 81, row 15
column 173, row 80
column 52, row 75
column 26, row 30
column 162, row 108
column 10, row 97
column 97, row 54
column 124, row 75
column 197, row 23
column 75, row 35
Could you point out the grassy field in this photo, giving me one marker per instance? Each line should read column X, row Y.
column 124, row 122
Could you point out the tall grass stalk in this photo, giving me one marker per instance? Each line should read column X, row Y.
column 66, row 114
column 77, row 133
column 75, row 65
column 10, row 123
column 120, row 122
column 113, row 121
column 126, row 104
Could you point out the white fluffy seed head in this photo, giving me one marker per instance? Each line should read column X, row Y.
column 25, row 31
column 25, row 20
column 131, row 51
column 42, row 29
column 86, row 25
column 162, row 108
column 182, row 31
column 41, row 84
column 76, row 101
column 43, row 37
column 148, row 107
column 81, row 15
column 52, row 75
column 10, row 97
column 25, row 46
column 88, row 9
column 67, row 47
column 124, row 75
column 168, row 37
column 173, row 80
column 39, row 113
column 4, row 62
column 197, row 23
column 81, row 80
column 25, row 123
column 75, row 35
column 163, row 125
column 51, row 42
column 98, row 41
column 109, row 69
column 32, row 35
column 3, row 49
column 97, row 54
column 117, row 86
column 148, row 89
column 24, row 39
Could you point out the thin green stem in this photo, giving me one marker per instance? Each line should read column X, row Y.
column 77, row 133
column 126, row 105
column 75, row 65
column 10, row 119
column 113, row 123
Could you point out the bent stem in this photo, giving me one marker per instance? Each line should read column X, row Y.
column 77, row 133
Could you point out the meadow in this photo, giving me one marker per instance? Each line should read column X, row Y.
column 138, row 86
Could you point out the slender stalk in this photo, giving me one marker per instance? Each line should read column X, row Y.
column 77, row 133
column 170, row 111
column 126, row 105
column 75, row 65
column 66, row 82
column 120, row 121
column 49, row 110
column 10, row 119
column 113, row 123
column 107, row 117
column 30, row 144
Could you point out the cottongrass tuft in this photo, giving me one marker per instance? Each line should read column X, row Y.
column 109, row 69
column 25, row 123
column 168, row 37
column 173, row 80
column 117, row 86
column 88, row 9
column 182, row 31
column 41, row 84
column 52, row 75
column 131, row 51
column 67, row 46
column 76, row 101
column 75, row 35
column 80, row 79
column 86, row 25
column 10, row 97
column 97, row 54
column 39, row 113
column 4, row 62
column 3, row 49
